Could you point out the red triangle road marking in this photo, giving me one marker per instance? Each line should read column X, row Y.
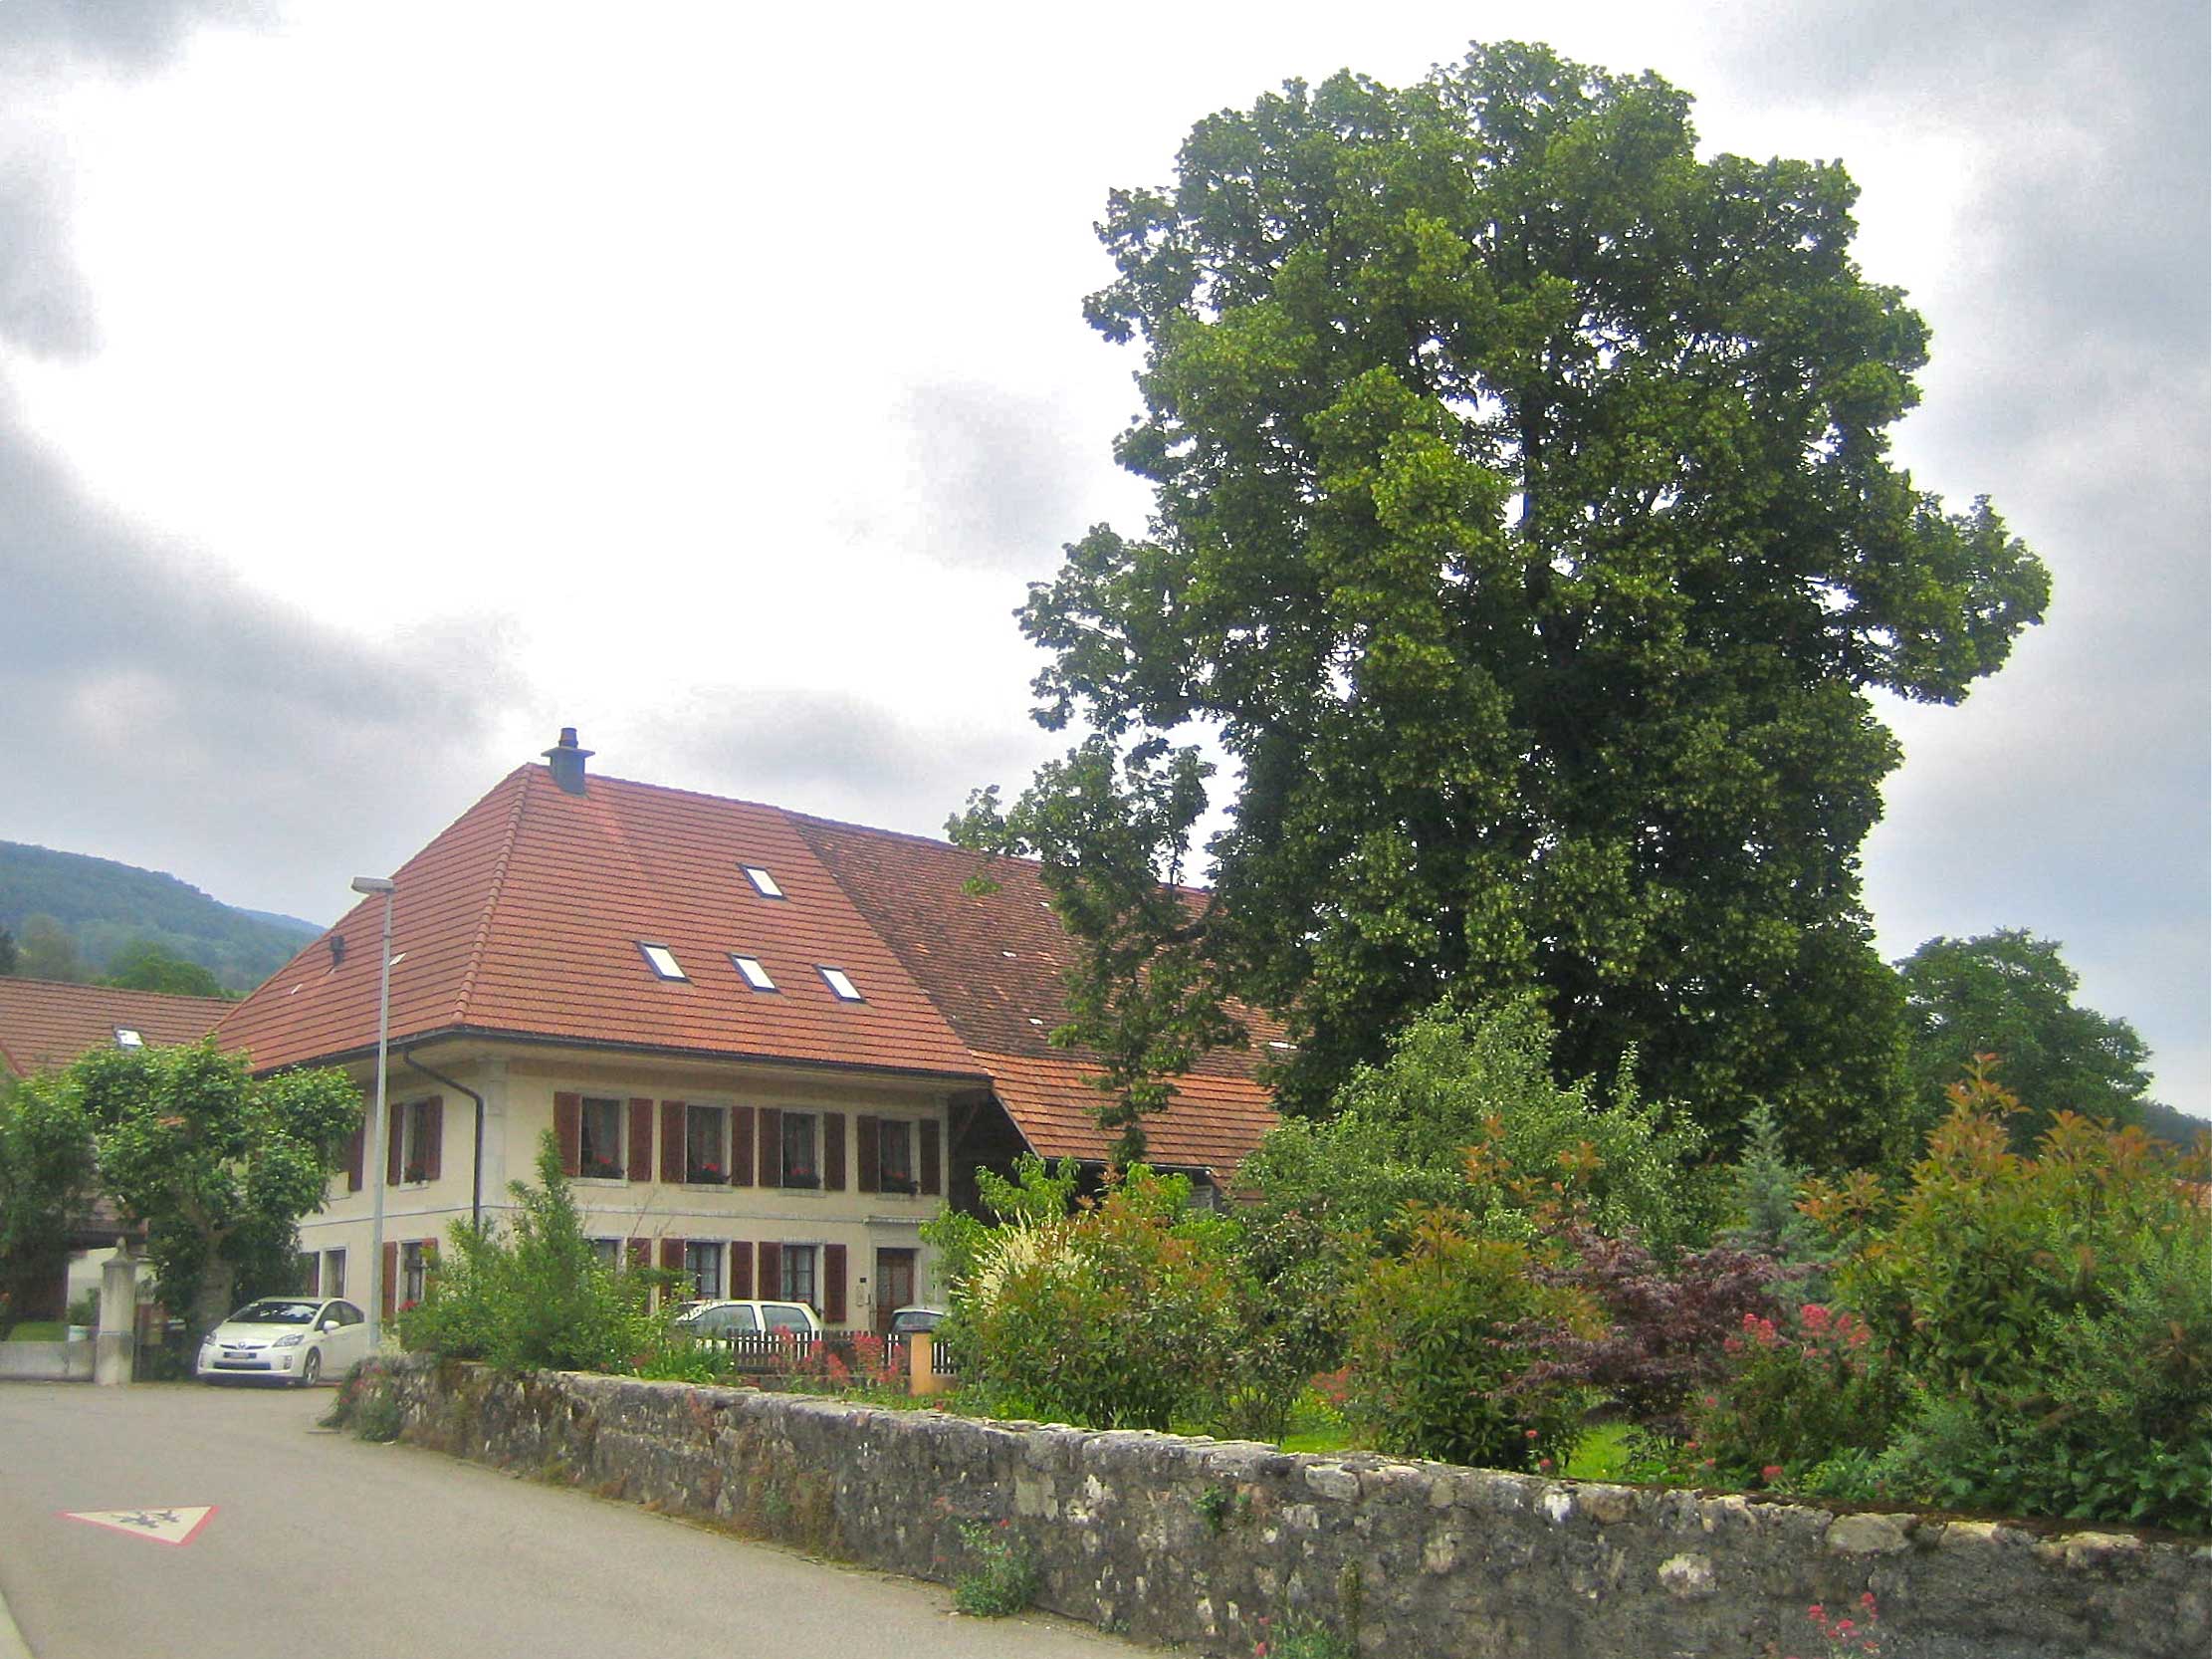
column 173, row 1524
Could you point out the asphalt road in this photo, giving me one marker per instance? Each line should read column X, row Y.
column 322, row 1546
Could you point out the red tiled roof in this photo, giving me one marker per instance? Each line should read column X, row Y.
column 990, row 952
column 43, row 1024
column 525, row 919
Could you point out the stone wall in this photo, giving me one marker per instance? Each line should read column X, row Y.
column 1191, row 1541
column 46, row 1362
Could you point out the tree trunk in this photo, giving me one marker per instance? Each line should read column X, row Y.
column 212, row 1304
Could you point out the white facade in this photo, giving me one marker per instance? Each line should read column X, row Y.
column 855, row 1254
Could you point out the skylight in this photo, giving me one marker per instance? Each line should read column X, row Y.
column 755, row 975
column 762, row 882
column 844, row 987
column 126, row 1036
column 662, row 959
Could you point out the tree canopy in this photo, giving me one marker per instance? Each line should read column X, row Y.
column 47, row 1182
column 144, row 966
column 1526, row 534
column 2011, row 995
column 219, row 1165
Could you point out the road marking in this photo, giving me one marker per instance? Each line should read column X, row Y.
column 178, row 1524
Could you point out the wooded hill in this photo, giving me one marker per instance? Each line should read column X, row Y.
column 100, row 906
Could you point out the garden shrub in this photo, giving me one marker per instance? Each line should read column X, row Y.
column 2114, row 1424
column 2050, row 1312
column 1434, row 1351
column 1799, row 1392
column 534, row 1296
column 1120, row 1315
column 1661, row 1330
column 1988, row 1247
column 1398, row 1136
column 1290, row 1322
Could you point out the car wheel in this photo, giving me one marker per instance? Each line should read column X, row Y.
column 310, row 1368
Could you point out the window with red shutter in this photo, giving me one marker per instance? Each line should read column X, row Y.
column 742, row 1134
column 771, row 1140
column 672, row 1142
column 933, row 1159
column 431, row 1153
column 642, row 1140
column 833, row 1284
column 741, row 1270
column 354, row 1160
column 865, row 1175
column 770, row 1277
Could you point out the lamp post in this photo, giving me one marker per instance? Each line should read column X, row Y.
column 373, row 1154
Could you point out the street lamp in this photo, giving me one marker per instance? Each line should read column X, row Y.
column 373, row 1154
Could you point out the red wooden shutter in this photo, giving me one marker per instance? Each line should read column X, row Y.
column 642, row 1253
column 395, row 1122
column 833, row 1151
column 671, row 1141
column 772, row 1147
column 353, row 1146
column 772, row 1271
column 933, row 1177
column 741, row 1270
column 434, row 1138
column 391, row 1279
column 741, row 1146
column 642, row 1140
column 833, row 1284
column 569, row 1131
column 868, row 1177
column 672, row 1252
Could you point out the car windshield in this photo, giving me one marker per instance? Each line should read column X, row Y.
column 276, row 1312
column 914, row 1320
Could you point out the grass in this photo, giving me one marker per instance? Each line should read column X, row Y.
column 38, row 1330
column 1603, row 1454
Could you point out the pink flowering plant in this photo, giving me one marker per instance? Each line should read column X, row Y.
column 1796, row 1391
column 1853, row 1633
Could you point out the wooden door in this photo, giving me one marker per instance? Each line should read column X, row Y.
column 894, row 1284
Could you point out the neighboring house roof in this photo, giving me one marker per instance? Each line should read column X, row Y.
column 979, row 935
column 524, row 919
column 45, row 1024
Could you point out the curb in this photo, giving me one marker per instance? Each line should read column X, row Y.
column 12, row 1644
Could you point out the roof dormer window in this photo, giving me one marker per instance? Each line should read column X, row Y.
column 128, row 1037
column 842, row 988
column 662, row 960
column 751, row 972
column 762, row 882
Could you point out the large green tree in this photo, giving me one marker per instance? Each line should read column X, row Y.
column 2011, row 995
column 47, row 1182
column 143, row 965
column 1526, row 534
column 219, row 1165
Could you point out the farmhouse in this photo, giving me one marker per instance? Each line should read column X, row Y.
column 768, row 1045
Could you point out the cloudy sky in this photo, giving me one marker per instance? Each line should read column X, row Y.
column 382, row 387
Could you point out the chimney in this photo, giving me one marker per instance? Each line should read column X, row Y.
column 567, row 761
